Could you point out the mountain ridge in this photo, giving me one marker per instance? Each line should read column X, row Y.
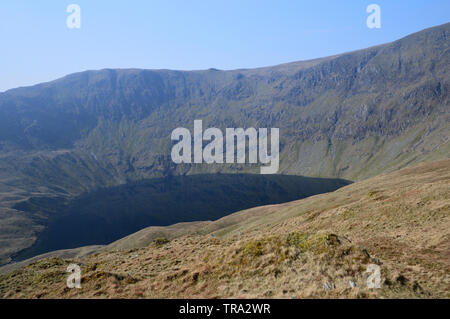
column 225, row 70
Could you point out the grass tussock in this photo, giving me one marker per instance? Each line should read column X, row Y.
column 320, row 247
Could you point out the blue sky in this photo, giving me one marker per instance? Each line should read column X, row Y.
column 37, row 46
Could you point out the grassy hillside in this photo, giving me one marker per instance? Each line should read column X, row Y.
column 307, row 248
column 351, row 116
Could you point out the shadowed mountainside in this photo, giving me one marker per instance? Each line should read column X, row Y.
column 398, row 221
column 105, row 215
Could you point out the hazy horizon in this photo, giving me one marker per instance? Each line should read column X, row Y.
column 192, row 36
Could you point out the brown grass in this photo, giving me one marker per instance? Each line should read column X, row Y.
column 399, row 221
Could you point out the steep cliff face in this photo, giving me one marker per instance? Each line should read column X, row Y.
column 352, row 116
column 374, row 95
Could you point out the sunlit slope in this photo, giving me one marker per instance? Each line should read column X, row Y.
column 399, row 221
